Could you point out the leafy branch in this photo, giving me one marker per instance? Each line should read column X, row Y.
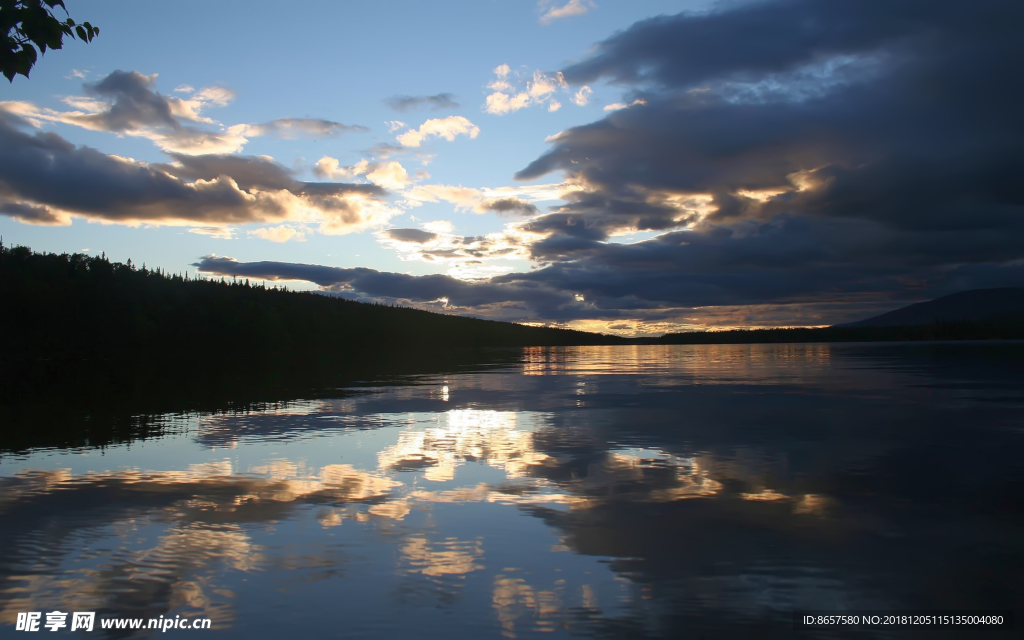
column 29, row 25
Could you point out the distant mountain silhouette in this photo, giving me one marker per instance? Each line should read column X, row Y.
column 982, row 314
column 979, row 305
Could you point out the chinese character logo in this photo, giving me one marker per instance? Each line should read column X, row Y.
column 28, row 621
column 56, row 620
column 83, row 620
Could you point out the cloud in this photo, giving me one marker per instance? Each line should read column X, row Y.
column 446, row 128
column 435, row 102
column 424, row 291
column 221, row 233
column 588, row 294
column 409, row 235
column 582, row 97
column 500, row 199
column 383, row 151
column 863, row 154
column 817, row 163
column 281, row 233
column 289, row 128
column 33, row 214
column 568, row 10
column 793, row 180
column 499, row 103
column 330, row 168
column 390, row 175
column 127, row 103
column 247, row 172
column 509, row 92
column 465, row 198
column 617, row 106
column 510, row 206
column 468, row 257
column 694, row 50
column 44, row 179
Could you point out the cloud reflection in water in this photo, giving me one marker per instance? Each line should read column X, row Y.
column 684, row 488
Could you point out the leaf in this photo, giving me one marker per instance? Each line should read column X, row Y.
column 31, row 22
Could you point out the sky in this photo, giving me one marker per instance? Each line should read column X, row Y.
column 625, row 167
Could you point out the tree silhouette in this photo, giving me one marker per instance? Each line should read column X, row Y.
column 29, row 25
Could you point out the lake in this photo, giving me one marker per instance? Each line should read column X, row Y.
column 633, row 491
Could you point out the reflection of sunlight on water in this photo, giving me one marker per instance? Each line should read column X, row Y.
column 523, row 606
column 449, row 557
column 395, row 509
column 812, row 504
column 188, row 558
column 705, row 364
column 493, row 437
column 766, row 495
column 209, row 515
column 513, row 599
column 204, row 535
column 646, row 475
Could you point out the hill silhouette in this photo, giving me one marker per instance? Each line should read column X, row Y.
column 980, row 314
column 978, row 305
column 74, row 320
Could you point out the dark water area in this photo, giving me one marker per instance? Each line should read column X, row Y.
column 702, row 491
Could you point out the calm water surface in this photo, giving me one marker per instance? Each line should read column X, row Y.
column 684, row 491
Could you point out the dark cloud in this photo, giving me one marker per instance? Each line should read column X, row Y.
column 133, row 103
column 639, row 282
column 435, row 102
column 31, row 214
column 809, row 148
column 754, row 40
column 597, row 216
column 44, row 172
column 256, row 172
column 247, row 171
column 410, row 235
column 789, row 260
column 127, row 102
column 130, row 104
column 511, row 206
column 530, row 299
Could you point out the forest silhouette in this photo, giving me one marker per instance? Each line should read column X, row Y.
column 75, row 315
